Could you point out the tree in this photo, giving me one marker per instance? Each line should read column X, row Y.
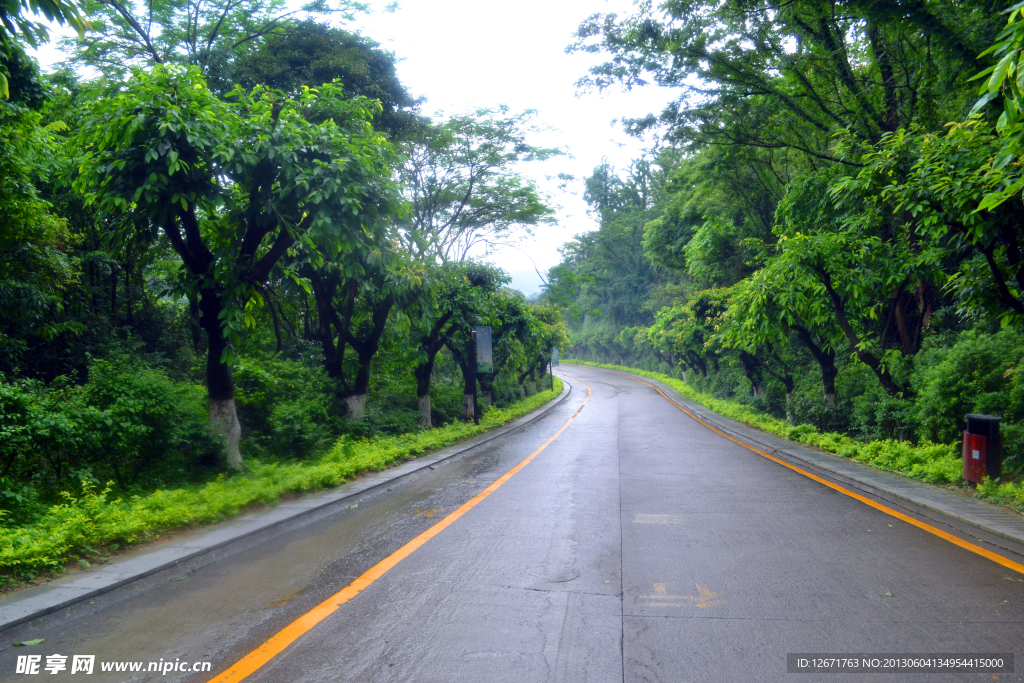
column 688, row 331
column 37, row 266
column 126, row 34
column 770, row 308
column 309, row 54
column 458, row 293
column 461, row 181
column 773, row 75
column 1005, row 78
column 546, row 330
column 355, row 291
column 15, row 26
column 233, row 185
column 509, row 317
column 932, row 186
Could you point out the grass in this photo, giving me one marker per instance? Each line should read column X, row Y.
column 77, row 527
column 931, row 462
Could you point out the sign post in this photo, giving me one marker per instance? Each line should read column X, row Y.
column 482, row 360
column 484, row 353
column 554, row 362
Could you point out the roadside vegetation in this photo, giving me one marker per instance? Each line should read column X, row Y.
column 825, row 241
column 237, row 268
column 93, row 522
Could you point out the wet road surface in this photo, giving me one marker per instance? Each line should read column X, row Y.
column 638, row 546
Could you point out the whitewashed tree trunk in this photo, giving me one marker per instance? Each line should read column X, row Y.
column 467, row 406
column 830, row 400
column 789, row 407
column 224, row 420
column 522, row 390
column 423, row 403
column 356, row 406
column 684, row 376
column 533, row 387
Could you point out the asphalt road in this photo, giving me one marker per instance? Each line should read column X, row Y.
column 638, row 546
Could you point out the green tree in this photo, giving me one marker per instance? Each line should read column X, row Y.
column 16, row 26
column 459, row 292
column 355, row 291
column 233, row 185
column 1005, row 78
column 126, row 34
column 775, row 75
column 461, row 179
column 38, row 265
column 310, row 54
column 930, row 186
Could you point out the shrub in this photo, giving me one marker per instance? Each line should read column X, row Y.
column 980, row 373
column 143, row 423
column 286, row 407
column 128, row 423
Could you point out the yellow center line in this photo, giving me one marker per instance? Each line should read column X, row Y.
column 966, row 545
column 290, row 633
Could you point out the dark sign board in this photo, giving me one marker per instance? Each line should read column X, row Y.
column 484, row 355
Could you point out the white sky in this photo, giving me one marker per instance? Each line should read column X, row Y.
column 462, row 54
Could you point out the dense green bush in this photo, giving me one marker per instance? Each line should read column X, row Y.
column 979, row 373
column 128, row 423
column 286, row 407
column 146, row 424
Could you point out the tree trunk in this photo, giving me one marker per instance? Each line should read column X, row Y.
column 366, row 349
column 113, row 295
column 128, row 294
column 789, row 407
column 828, row 383
column 826, row 358
column 423, row 374
column 468, row 407
column 752, row 370
column 355, row 401
column 355, row 406
column 224, row 420
column 219, row 383
column 423, row 403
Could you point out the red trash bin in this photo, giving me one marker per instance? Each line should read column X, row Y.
column 982, row 452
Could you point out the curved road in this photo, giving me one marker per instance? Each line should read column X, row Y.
column 637, row 546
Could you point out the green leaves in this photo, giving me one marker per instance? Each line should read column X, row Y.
column 252, row 174
column 463, row 184
column 1005, row 78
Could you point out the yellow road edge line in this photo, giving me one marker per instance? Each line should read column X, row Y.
column 966, row 545
column 289, row 634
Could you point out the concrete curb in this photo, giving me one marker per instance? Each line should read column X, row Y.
column 65, row 592
column 938, row 504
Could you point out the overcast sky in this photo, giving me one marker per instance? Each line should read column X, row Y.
column 462, row 54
